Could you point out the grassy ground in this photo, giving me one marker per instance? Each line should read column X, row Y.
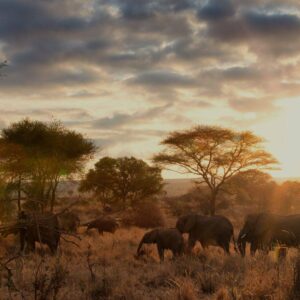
column 104, row 267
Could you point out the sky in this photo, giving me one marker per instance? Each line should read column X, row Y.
column 127, row 72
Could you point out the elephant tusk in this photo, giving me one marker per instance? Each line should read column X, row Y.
column 244, row 235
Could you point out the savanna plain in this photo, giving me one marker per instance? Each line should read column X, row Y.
column 93, row 266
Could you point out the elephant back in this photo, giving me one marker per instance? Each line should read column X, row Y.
column 104, row 223
column 69, row 221
column 43, row 227
column 214, row 226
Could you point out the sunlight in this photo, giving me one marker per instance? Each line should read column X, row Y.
column 283, row 136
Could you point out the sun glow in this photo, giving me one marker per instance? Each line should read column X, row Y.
column 283, row 137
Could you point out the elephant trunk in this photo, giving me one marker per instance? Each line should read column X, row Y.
column 241, row 242
column 139, row 247
column 234, row 243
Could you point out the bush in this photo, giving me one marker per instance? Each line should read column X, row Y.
column 295, row 291
column 147, row 215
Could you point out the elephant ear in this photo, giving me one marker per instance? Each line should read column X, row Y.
column 190, row 222
column 152, row 236
column 265, row 225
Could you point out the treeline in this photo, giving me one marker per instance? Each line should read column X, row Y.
column 35, row 156
column 253, row 189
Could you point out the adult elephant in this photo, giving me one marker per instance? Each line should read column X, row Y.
column 164, row 238
column 68, row 221
column 41, row 227
column 208, row 230
column 264, row 230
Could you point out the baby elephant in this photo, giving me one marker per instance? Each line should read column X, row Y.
column 164, row 238
column 102, row 224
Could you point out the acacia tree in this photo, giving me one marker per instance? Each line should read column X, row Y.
column 214, row 154
column 124, row 181
column 39, row 155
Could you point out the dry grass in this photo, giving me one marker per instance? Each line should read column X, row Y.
column 104, row 267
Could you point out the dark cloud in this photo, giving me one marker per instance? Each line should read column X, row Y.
column 163, row 78
column 216, row 10
column 273, row 24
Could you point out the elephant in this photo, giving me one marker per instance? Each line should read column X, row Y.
column 164, row 238
column 103, row 224
column 264, row 230
column 208, row 230
column 69, row 221
column 42, row 227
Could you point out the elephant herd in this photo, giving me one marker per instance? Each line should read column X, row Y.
column 46, row 228
column 262, row 231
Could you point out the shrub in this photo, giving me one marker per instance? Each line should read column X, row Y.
column 295, row 291
column 148, row 215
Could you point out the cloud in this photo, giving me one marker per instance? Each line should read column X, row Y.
column 249, row 104
column 150, row 57
column 163, row 78
column 216, row 10
column 120, row 119
column 273, row 24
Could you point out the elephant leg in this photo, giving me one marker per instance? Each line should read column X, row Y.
column 253, row 248
column 191, row 243
column 242, row 248
column 203, row 245
column 52, row 247
column 224, row 244
column 30, row 245
column 266, row 249
column 176, row 252
column 226, row 247
column 160, row 252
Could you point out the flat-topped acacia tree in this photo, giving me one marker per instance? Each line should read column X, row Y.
column 214, row 154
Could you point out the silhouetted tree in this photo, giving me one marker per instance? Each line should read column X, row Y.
column 214, row 154
column 124, row 180
column 38, row 155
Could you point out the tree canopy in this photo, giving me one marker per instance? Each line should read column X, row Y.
column 214, row 154
column 35, row 155
column 123, row 181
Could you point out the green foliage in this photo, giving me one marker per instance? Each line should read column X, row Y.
column 123, row 181
column 36, row 155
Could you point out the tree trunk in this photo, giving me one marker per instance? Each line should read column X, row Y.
column 53, row 195
column 19, row 194
column 213, row 203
